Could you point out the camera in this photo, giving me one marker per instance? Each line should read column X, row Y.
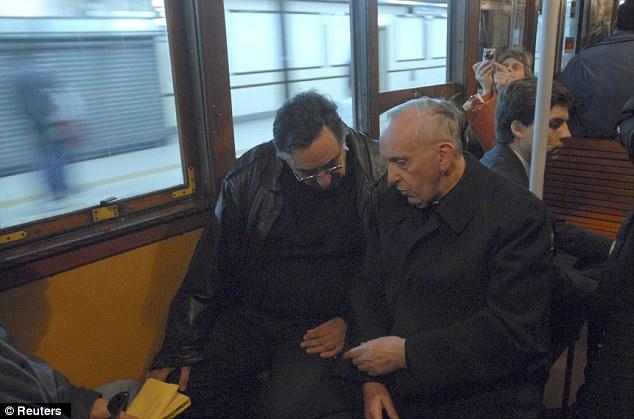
column 488, row 54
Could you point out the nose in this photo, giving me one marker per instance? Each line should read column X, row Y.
column 392, row 175
column 562, row 132
column 324, row 180
column 565, row 131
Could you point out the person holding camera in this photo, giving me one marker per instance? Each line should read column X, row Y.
column 492, row 74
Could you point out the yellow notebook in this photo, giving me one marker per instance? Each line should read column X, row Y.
column 158, row 400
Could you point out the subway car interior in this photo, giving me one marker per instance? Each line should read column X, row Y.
column 151, row 102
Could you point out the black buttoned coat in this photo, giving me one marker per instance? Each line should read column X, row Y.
column 468, row 286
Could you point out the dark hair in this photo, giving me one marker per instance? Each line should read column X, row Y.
column 522, row 55
column 300, row 120
column 625, row 16
column 517, row 103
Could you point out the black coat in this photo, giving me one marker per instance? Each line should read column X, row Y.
column 601, row 80
column 569, row 238
column 249, row 203
column 476, row 319
column 608, row 391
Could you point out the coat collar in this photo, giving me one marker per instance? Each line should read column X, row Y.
column 456, row 209
column 459, row 206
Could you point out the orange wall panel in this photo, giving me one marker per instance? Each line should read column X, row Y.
column 102, row 321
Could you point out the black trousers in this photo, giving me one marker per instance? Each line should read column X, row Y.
column 244, row 344
column 512, row 401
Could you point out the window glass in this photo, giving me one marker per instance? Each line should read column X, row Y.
column 88, row 110
column 501, row 24
column 412, row 44
column 278, row 49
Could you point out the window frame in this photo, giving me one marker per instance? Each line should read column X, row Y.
column 201, row 88
column 462, row 47
column 198, row 51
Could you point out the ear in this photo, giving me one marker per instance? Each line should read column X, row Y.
column 518, row 129
column 447, row 154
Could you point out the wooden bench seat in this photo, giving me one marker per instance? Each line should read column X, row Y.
column 590, row 183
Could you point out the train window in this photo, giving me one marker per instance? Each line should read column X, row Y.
column 88, row 107
column 101, row 138
column 279, row 48
column 412, row 44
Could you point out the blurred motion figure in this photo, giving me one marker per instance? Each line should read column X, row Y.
column 52, row 111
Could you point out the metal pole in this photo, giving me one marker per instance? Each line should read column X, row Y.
column 547, row 47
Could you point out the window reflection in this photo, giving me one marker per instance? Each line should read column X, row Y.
column 88, row 106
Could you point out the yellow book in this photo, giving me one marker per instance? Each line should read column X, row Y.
column 158, row 400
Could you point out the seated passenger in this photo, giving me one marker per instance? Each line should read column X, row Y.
column 511, row 158
column 492, row 75
column 453, row 313
column 268, row 284
column 608, row 391
column 27, row 379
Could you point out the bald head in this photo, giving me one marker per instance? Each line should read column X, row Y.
column 430, row 120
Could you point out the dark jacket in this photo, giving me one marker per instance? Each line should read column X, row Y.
column 608, row 391
column 478, row 321
column 248, row 205
column 569, row 238
column 27, row 379
column 601, row 79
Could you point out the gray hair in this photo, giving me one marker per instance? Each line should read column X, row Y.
column 439, row 119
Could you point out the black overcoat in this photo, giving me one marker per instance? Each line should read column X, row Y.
column 468, row 289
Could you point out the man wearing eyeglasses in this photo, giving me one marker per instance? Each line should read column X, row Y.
column 267, row 288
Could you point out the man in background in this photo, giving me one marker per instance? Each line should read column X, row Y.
column 511, row 157
column 601, row 79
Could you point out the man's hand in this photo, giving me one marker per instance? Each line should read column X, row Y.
column 162, row 373
column 484, row 75
column 376, row 400
column 327, row 339
column 100, row 411
column 379, row 356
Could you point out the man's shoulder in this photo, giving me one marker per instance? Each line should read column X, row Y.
column 258, row 156
column 366, row 150
column 505, row 163
column 360, row 141
column 506, row 195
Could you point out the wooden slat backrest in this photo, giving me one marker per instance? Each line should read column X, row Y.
column 590, row 183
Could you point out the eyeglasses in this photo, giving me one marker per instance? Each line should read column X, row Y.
column 320, row 173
